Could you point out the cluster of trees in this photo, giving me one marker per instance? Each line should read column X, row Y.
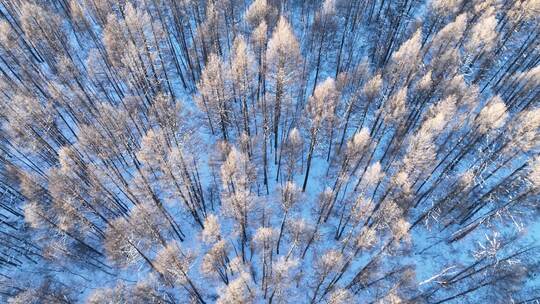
column 269, row 151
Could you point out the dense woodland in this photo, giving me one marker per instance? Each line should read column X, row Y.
column 275, row 151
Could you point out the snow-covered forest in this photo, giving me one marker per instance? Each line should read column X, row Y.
column 269, row 151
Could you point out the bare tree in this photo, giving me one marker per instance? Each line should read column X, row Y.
column 269, row 151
